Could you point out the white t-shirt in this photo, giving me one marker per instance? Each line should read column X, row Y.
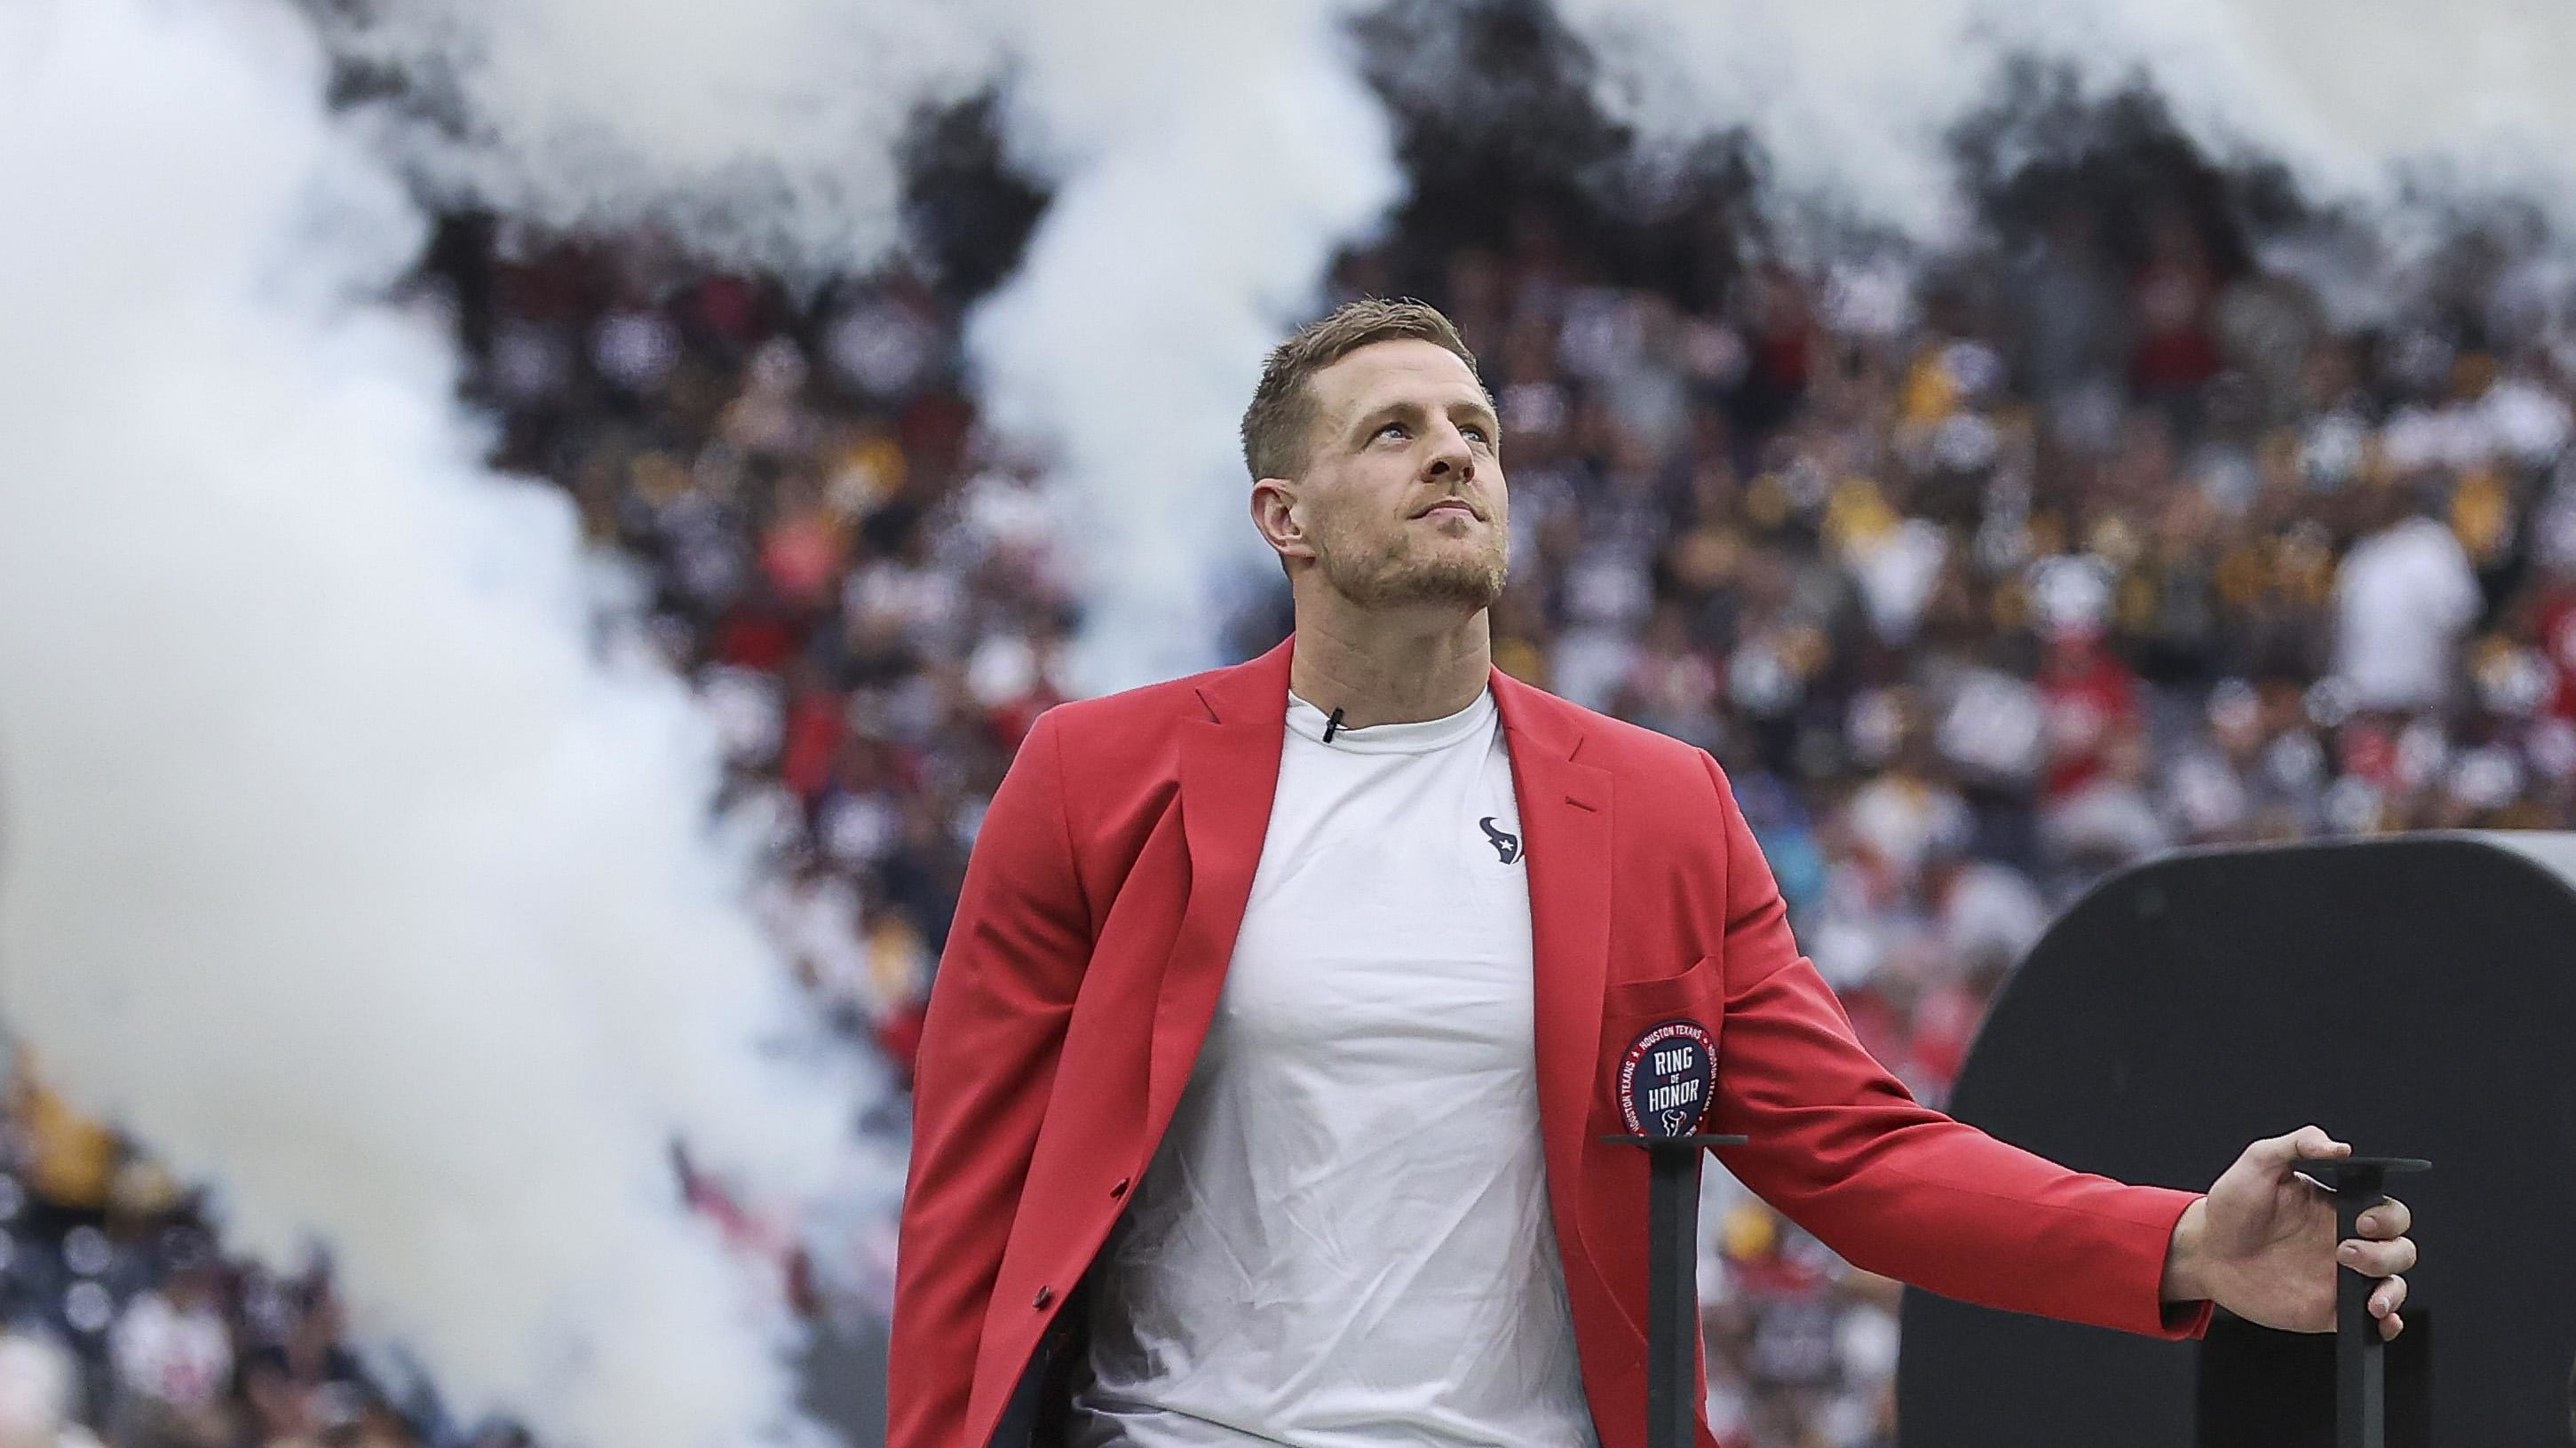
column 1345, row 1237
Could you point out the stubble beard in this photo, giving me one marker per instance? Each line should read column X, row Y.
column 1401, row 575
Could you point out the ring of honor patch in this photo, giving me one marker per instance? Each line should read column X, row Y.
column 1664, row 1081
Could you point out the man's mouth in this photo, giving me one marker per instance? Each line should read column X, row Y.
column 1446, row 507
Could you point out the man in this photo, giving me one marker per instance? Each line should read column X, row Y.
column 2405, row 596
column 1263, row 1087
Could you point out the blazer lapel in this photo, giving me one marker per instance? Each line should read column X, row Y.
column 1229, row 775
column 1565, row 822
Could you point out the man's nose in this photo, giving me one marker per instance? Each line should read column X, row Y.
column 1450, row 456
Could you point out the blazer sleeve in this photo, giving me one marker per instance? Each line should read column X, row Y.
column 989, row 1047
column 1844, row 1150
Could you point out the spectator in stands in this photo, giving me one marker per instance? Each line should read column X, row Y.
column 2405, row 597
column 39, row 1393
column 172, row 1353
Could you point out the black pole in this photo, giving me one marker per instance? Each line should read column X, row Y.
column 1672, row 1287
column 1664, row 1085
column 2361, row 1356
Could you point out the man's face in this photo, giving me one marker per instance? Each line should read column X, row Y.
column 1402, row 501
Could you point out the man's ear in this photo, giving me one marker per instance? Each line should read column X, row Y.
column 1275, row 513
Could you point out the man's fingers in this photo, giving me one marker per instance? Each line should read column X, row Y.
column 2384, row 1304
column 2377, row 1259
column 2390, row 1296
column 2387, row 1221
column 2277, row 1152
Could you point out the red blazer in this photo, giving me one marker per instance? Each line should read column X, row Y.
column 1099, row 914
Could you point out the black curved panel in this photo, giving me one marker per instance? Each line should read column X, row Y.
column 2415, row 996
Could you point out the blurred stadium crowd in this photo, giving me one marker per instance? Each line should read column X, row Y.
column 1981, row 579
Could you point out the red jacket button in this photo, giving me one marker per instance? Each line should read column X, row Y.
column 1119, row 1190
column 1045, row 1296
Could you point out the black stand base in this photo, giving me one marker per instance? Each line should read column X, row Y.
column 2261, row 1388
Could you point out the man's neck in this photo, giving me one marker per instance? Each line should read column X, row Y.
column 1381, row 670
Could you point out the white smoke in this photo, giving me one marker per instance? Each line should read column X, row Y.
column 336, row 860
column 2370, row 103
column 1208, row 160
column 1846, row 99
column 760, row 130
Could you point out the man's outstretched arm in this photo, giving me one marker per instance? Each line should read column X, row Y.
column 1841, row 1147
column 989, row 1048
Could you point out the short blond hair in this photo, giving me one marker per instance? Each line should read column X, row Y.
column 1279, row 426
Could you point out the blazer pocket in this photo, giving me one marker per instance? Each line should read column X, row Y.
column 1692, row 989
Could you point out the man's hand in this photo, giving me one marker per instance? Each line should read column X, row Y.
column 2262, row 1243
